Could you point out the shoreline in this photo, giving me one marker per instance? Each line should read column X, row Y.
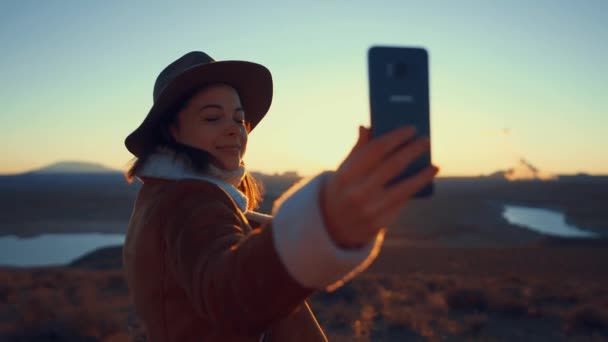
column 487, row 228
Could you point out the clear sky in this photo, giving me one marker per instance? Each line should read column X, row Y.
column 509, row 79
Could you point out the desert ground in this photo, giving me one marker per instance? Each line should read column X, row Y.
column 417, row 294
column 451, row 267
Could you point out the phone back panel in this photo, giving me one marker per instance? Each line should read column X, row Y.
column 399, row 96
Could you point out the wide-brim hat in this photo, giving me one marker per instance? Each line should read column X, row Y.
column 195, row 70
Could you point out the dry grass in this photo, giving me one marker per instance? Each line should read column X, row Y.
column 425, row 294
column 63, row 305
column 436, row 307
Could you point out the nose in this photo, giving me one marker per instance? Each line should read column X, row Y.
column 234, row 128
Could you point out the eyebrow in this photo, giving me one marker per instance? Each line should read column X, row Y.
column 218, row 107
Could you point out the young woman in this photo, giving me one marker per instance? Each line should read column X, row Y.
column 201, row 265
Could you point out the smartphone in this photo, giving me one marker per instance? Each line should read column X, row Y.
column 399, row 96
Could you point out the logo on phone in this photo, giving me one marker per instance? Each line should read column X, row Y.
column 401, row 98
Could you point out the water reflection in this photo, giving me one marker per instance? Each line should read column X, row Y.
column 52, row 249
column 544, row 221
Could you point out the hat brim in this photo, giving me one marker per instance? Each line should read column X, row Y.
column 253, row 83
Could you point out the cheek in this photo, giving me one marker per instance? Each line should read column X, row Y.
column 244, row 136
column 207, row 139
column 199, row 137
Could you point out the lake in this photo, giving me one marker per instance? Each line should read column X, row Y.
column 61, row 249
column 52, row 249
column 544, row 221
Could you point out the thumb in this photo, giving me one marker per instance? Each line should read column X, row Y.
column 364, row 136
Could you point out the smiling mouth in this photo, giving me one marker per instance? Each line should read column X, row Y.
column 234, row 148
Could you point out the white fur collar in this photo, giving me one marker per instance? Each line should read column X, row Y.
column 166, row 166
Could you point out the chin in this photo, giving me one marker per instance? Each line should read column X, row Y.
column 230, row 166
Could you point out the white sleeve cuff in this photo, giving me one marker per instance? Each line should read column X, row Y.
column 310, row 255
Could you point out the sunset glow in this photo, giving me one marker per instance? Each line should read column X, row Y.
column 509, row 81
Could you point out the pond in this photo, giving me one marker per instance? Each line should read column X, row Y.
column 61, row 249
column 52, row 249
column 544, row 221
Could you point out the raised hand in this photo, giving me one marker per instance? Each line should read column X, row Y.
column 355, row 201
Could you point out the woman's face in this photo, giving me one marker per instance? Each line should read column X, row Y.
column 213, row 120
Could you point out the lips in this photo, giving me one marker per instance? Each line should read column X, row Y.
column 230, row 148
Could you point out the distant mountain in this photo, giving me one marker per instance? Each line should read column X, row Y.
column 104, row 258
column 73, row 167
column 524, row 170
column 583, row 177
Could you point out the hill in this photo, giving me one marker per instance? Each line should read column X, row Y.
column 463, row 210
column 73, row 167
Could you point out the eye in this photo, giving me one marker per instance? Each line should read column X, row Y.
column 211, row 117
column 239, row 117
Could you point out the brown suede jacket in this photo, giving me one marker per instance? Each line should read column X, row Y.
column 198, row 271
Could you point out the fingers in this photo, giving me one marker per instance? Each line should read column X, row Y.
column 355, row 200
column 353, row 215
column 370, row 155
column 396, row 163
column 364, row 137
column 399, row 193
column 381, row 207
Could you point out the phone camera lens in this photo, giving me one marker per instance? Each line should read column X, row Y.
column 397, row 70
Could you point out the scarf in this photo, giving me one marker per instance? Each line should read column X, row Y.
column 167, row 164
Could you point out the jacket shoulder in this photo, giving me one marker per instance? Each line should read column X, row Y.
column 204, row 193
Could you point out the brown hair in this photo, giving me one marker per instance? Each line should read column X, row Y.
column 198, row 159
